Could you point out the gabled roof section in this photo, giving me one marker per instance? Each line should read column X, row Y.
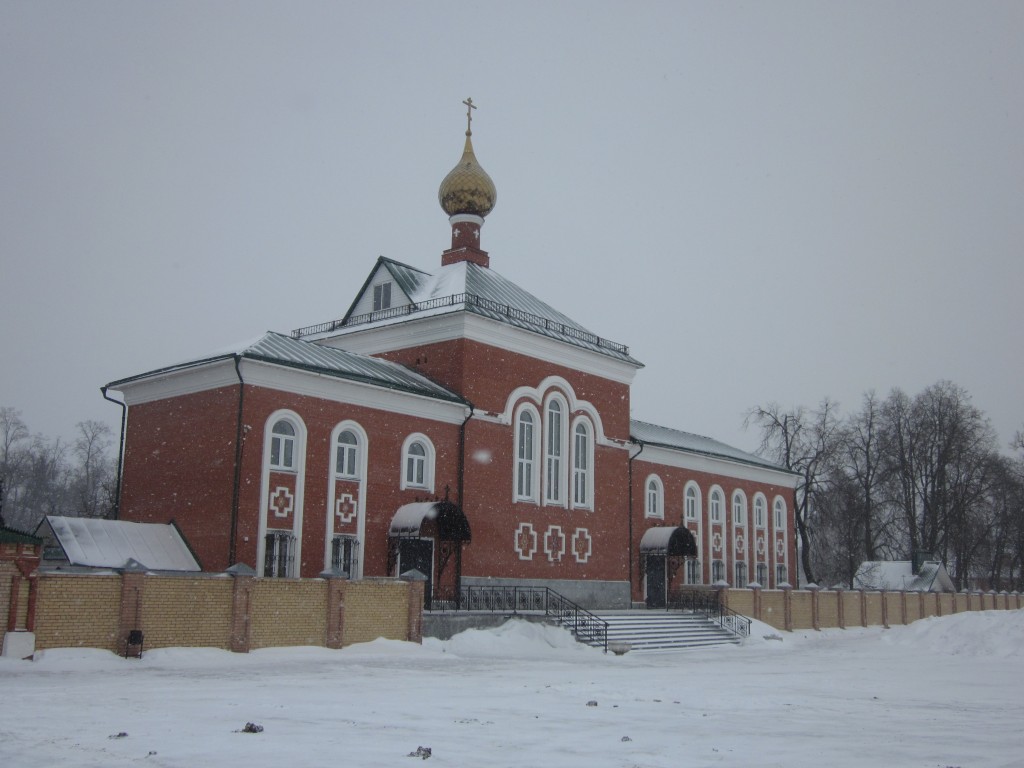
column 674, row 439
column 408, row 279
column 468, row 287
column 277, row 349
column 113, row 543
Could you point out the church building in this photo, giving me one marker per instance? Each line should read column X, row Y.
column 453, row 423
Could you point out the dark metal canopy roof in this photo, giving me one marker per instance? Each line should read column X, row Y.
column 409, row 520
column 674, row 541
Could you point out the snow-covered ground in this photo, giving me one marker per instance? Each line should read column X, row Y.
column 941, row 692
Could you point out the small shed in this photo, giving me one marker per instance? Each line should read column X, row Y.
column 901, row 576
column 93, row 543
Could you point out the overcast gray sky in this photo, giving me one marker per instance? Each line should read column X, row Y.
column 766, row 201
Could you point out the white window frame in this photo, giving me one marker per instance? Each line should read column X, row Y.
column 760, row 511
column 410, row 460
column 691, row 493
column 582, row 476
column 716, row 500
column 526, row 444
column 739, row 509
column 556, row 463
column 382, row 296
column 779, row 520
column 693, row 572
column 740, row 580
column 351, row 454
column 717, row 569
column 654, row 497
column 282, row 444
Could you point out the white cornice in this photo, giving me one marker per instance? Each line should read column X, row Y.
column 283, row 378
column 714, row 465
column 461, row 324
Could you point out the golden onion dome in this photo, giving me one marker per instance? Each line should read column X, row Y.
column 467, row 188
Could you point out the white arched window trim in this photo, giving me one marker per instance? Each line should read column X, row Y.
column 557, row 455
column 582, row 463
column 363, row 449
column 411, row 480
column 691, row 502
column 526, row 472
column 654, row 497
column 760, row 511
column 716, row 503
column 739, row 509
column 299, row 469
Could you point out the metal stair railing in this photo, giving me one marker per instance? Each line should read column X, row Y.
column 585, row 626
column 707, row 603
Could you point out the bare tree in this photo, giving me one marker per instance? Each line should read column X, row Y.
column 805, row 442
column 94, row 470
column 13, row 433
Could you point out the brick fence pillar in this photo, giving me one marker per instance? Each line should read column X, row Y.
column 903, row 607
column 787, row 606
column 885, row 608
column 815, row 608
column 840, row 606
column 241, row 607
column 133, row 586
column 417, row 582
column 12, row 605
column 336, row 585
column 757, row 602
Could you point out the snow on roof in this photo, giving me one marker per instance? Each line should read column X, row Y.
column 409, row 517
column 468, row 287
column 294, row 353
column 666, row 437
column 112, row 543
column 657, row 538
column 898, row 575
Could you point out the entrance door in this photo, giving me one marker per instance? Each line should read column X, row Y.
column 656, row 581
column 418, row 554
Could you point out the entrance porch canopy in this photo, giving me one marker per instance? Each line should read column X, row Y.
column 408, row 521
column 669, row 540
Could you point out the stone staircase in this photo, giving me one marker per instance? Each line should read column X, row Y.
column 649, row 631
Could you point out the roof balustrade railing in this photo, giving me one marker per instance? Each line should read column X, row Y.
column 466, row 299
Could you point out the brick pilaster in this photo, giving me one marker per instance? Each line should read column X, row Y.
column 416, row 611
column 133, row 585
column 241, row 607
column 336, row 611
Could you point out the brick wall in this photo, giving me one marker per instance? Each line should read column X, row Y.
column 186, row 611
column 821, row 609
column 78, row 611
column 290, row 612
column 375, row 608
column 220, row 611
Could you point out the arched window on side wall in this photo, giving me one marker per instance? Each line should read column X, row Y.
column 282, row 446
column 582, row 466
column 655, row 498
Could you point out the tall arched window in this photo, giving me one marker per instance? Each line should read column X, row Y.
column 282, row 446
column 582, row 463
column 418, row 462
column 347, row 457
column 526, row 456
column 739, row 509
column 654, row 506
column 780, row 515
column 691, row 504
column 760, row 515
column 716, row 506
column 553, row 452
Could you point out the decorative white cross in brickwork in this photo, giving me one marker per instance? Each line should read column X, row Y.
column 554, row 543
column 741, row 543
column 282, row 502
column 345, row 508
column 760, row 545
column 716, row 542
column 581, row 545
column 526, row 541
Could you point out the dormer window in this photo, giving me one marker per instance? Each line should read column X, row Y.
column 381, row 296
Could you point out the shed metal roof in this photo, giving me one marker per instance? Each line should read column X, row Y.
column 113, row 543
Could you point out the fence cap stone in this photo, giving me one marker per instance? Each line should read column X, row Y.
column 131, row 565
column 754, row 585
column 241, row 569
column 784, row 585
column 413, row 575
column 812, row 586
column 333, row 573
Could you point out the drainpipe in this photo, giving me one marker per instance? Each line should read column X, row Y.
column 120, row 450
column 462, row 455
column 239, row 434
column 629, row 555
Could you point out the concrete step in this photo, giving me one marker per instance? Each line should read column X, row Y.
column 662, row 631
